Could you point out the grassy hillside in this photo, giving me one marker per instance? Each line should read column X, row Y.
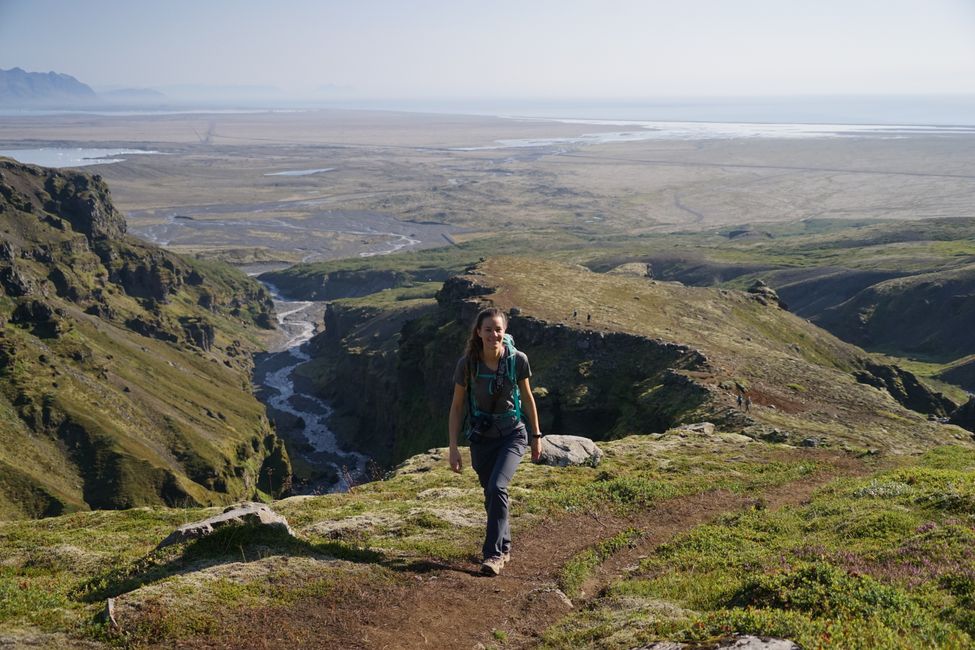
column 900, row 287
column 124, row 369
column 713, row 534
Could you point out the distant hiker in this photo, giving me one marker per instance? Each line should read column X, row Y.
column 741, row 400
column 491, row 386
column 588, row 317
column 575, row 312
column 748, row 402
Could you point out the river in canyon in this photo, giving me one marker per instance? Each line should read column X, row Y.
column 301, row 419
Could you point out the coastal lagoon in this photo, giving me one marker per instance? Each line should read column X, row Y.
column 70, row 157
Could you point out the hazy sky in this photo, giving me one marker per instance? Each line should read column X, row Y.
column 502, row 48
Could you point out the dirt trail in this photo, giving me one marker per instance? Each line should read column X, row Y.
column 450, row 606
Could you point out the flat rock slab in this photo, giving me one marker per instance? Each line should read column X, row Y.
column 562, row 451
column 702, row 428
column 244, row 514
column 747, row 642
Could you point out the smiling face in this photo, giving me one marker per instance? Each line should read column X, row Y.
column 491, row 332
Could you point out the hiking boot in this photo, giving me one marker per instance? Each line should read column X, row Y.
column 506, row 557
column 492, row 565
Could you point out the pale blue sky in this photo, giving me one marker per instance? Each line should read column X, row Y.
column 504, row 48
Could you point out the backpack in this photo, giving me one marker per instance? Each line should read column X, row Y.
column 510, row 360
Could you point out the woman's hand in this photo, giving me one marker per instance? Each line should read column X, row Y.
column 456, row 463
column 536, row 449
column 455, row 421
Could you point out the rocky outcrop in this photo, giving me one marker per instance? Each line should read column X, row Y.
column 244, row 514
column 14, row 282
column 141, row 273
column 152, row 327
column 904, row 387
column 84, row 202
column 765, row 294
column 199, row 332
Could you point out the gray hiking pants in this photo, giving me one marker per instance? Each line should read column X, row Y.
column 495, row 461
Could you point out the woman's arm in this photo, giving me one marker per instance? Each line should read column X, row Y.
column 528, row 404
column 458, row 406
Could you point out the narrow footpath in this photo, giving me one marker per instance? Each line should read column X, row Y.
column 448, row 605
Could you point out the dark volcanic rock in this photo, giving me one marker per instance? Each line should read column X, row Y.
column 143, row 274
column 85, row 202
column 32, row 311
column 199, row 332
column 964, row 415
column 14, row 282
column 904, row 387
column 151, row 328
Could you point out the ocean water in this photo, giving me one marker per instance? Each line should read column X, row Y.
column 718, row 131
column 70, row 157
column 930, row 110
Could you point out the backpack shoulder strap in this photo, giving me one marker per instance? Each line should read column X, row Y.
column 509, row 342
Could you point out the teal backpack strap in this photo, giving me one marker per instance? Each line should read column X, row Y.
column 509, row 341
column 472, row 410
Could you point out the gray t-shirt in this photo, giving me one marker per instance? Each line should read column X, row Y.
column 482, row 383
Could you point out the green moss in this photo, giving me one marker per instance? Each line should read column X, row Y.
column 578, row 569
column 868, row 563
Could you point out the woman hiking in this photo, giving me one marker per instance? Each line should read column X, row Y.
column 491, row 386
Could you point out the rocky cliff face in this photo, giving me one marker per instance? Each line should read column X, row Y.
column 124, row 368
column 389, row 372
column 393, row 393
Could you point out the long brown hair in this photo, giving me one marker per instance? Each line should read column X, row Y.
column 474, row 346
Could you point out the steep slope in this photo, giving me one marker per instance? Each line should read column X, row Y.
column 927, row 314
column 653, row 355
column 124, row 369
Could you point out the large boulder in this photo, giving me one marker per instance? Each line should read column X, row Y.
column 562, row 451
column 243, row 514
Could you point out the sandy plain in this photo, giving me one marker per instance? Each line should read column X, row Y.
column 401, row 180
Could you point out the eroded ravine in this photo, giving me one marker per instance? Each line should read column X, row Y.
column 301, row 418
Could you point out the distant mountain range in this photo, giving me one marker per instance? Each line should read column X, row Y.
column 21, row 88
